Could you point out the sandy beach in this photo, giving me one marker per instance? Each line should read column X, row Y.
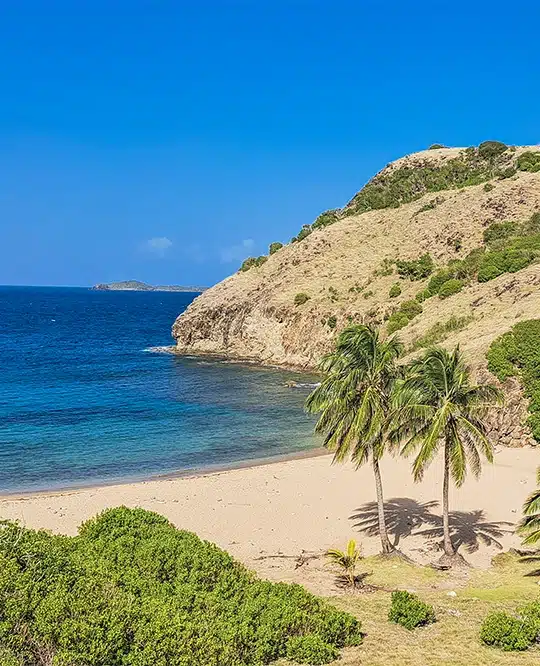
column 279, row 518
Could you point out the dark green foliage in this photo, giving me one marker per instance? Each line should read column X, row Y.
column 437, row 280
column 436, row 146
column 517, row 353
column 274, row 247
column 423, row 295
column 396, row 321
column 133, row 590
column 393, row 187
column 529, row 161
column 489, row 150
column 510, row 260
column 416, row 269
column 507, row 632
column 450, row 287
column 250, row 262
column 301, row 298
column 331, row 322
column 507, row 173
column 488, row 187
column 499, row 230
column 407, row 311
column 368, row 294
column 395, row 290
column 326, row 218
column 440, row 331
column 311, row 649
column 409, row 611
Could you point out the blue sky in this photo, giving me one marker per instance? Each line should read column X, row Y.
column 165, row 141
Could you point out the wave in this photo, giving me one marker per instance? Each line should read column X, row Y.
column 170, row 349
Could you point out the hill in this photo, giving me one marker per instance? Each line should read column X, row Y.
column 463, row 215
column 136, row 285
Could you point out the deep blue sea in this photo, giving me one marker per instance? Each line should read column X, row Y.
column 83, row 400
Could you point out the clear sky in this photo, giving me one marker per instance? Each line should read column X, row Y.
column 167, row 140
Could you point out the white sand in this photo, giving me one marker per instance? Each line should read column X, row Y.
column 305, row 505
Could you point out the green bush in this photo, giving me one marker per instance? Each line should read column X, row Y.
column 250, row 262
column 517, row 353
column 510, row 260
column 396, row 321
column 301, row 298
column 491, row 149
column 409, row 611
column 529, row 161
column 499, row 230
column 436, row 146
column 488, row 187
column 410, row 308
column 507, row 632
column 423, row 295
column 416, row 269
column 311, row 649
column 132, row 589
column 450, row 287
column 331, row 321
column 274, row 247
column 395, row 290
column 326, row 218
column 437, row 280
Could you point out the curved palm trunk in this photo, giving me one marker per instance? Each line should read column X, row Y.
column 448, row 546
column 385, row 541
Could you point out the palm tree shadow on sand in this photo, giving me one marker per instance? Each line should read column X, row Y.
column 406, row 516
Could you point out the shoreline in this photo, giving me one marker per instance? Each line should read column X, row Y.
column 196, row 472
column 280, row 517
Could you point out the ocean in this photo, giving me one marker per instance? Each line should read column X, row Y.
column 85, row 398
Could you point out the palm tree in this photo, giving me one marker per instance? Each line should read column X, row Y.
column 437, row 406
column 530, row 525
column 346, row 560
column 354, row 402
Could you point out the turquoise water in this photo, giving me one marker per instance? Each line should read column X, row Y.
column 83, row 400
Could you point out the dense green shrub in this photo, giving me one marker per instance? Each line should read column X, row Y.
column 326, row 218
column 396, row 321
column 131, row 589
column 450, row 287
column 395, row 290
column 499, row 230
column 409, row 611
column 488, row 187
column 491, row 149
column 331, row 322
column 304, row 232
column 507, row 632
column 517, row 353
column 437, row 280
column 423, row 295
column 416, row 269
column 301, row 298
column 274, row 247
column 410, row 308
column 311, row 649
column 250, row 262
column 436, row 146
column 510, row 260
column 529, row 161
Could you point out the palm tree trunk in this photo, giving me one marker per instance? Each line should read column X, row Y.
column 448, row 546
column 386, row 545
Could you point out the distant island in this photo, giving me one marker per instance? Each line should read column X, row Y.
column 136, row 285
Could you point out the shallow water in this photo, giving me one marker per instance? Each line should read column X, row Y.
column 83, row 398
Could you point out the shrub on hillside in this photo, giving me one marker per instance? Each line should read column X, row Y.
column 517, row 353
column 409, row 611
column 250, row 262
column 529, row 161
column 410, row 308
column 488, row 187
column 325, row 219
column 274, row 247
column 395, row 290
column 507, row 632
column 450, row 287
column 489, row 150
column 436, row 146
column 416, row 269
column 440, row 331
column 499, row 230
column 396, row 321
column 132, row 589
column 437, row 280
column 510, row 260
column 331, row 322
column 301, row 298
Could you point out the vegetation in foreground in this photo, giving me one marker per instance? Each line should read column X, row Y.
column 131, row 589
